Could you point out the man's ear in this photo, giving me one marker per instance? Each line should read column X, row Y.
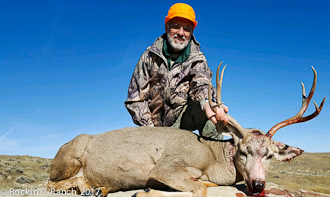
column 166, row 28
column 283, row 152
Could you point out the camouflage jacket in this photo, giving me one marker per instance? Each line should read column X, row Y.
column 156, row 95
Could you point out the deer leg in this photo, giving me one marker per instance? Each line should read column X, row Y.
column 101, row 192
column 67, row 162
column 176, row 176
column 65, row 185
column 208, row 184
column 196, row 189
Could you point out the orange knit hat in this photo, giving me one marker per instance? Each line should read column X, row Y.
column 181, row 10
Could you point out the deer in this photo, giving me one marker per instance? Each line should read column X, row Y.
column 174, row 162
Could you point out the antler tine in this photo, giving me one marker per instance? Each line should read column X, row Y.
column 303, row 92
column 232, row 121
column 218, row 91
column 299, row 116
column 219, row 83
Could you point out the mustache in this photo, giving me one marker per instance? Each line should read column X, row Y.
column 178, row 36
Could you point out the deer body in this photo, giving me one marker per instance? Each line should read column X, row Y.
column 141, row 157
column 128, row 158
column 168, row 158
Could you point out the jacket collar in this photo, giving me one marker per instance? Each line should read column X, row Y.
column 183, row 56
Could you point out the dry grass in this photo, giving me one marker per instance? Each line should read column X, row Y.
column 21, row 172
column 310, row 172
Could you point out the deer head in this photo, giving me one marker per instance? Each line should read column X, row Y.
column 254, row 148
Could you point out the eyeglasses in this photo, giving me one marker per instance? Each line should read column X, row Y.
column 177, row 27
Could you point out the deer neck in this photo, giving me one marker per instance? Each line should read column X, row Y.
column 223, row 170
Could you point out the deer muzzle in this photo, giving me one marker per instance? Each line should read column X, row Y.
column 257, row 186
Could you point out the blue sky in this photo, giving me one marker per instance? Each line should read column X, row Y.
column 65, row 66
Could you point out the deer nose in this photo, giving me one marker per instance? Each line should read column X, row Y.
column 258, row 186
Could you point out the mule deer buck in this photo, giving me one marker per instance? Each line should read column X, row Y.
column 175, row 159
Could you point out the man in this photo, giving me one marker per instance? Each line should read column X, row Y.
column 169, row 86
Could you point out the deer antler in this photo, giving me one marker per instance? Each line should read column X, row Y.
column 219, row 103
column 299, row 116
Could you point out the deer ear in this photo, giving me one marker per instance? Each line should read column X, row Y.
column 283, row 152
column 229, row 131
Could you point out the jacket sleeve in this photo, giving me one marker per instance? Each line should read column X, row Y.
column 138, row 94
column 201, row 75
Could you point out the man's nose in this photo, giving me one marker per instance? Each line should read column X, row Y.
column 181, row 32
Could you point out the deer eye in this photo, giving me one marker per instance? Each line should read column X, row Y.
column 270, row 157
column 243, row 153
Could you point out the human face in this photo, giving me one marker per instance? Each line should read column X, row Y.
column 179, row 31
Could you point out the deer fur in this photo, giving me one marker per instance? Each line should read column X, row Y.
column 142, row 157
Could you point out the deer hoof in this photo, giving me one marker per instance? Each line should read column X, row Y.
column 98, row 192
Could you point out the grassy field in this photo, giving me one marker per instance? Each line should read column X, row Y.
column 310, row 172
column 20, row 172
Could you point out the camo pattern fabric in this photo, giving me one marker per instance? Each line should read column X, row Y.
column 156, row 95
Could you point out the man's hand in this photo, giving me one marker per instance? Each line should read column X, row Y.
column 219, row 116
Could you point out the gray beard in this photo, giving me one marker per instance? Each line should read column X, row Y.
column 177, row 46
